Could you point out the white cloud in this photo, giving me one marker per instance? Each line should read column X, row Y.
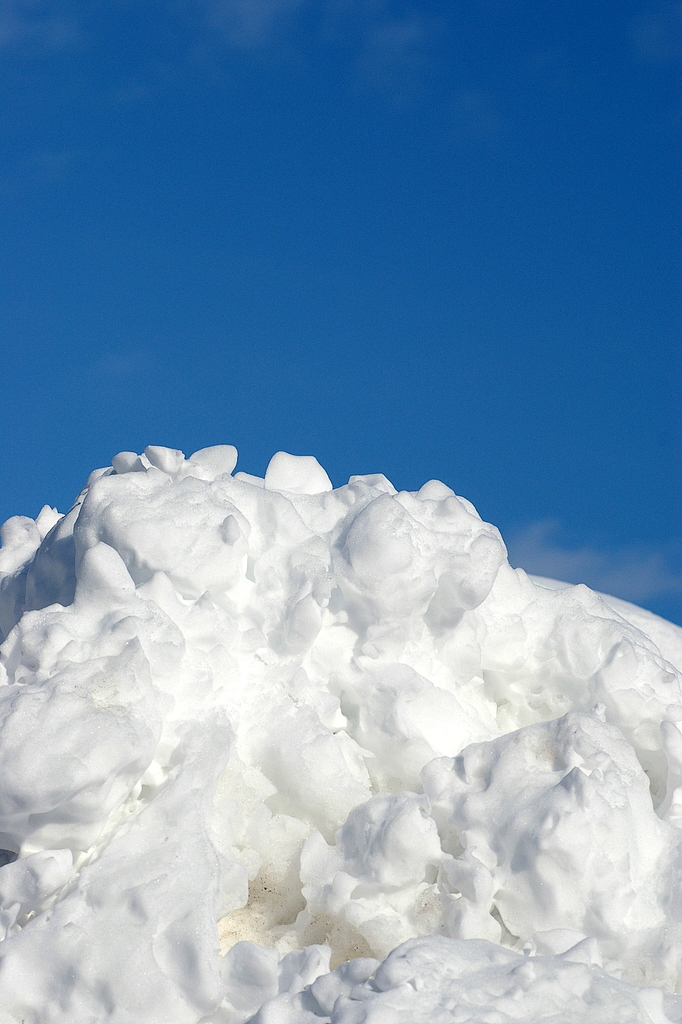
column 35, row 27
column 394, row 54
column 245, row 24
column 385, row 47
column 636, row 573
column 657, row 34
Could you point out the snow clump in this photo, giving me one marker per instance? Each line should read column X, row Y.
column 276, row 752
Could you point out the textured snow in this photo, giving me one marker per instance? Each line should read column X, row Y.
column 276, row 752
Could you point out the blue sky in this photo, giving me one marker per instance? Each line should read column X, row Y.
column 423, row 239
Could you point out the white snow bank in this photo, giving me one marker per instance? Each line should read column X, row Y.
column 276, row 752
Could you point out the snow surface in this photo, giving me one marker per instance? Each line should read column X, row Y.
column 277, row 752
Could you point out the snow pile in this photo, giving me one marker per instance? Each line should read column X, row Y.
column 280, row 753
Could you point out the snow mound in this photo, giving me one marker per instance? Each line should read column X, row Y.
column 276, row 752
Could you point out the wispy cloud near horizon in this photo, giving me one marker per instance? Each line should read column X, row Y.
column 633, row 573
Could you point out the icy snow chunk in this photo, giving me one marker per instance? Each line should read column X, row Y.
column 168, row 460
column 300, row 474
column 320, row 775
column 216, row 460
column 124, row 462
column 26, row 884
column 435, row 490
column 103, row 725
column 579, row 847
column 51, row 577
column 20, row 541
column 156, row 527
column 376, row 884
column 377, row 481
column 437, row 979
column 130, row 462
column 405, row 721
column 135, row 939
column 249, row 974
column 431, row 558
column 341, row 982
column 249, row 478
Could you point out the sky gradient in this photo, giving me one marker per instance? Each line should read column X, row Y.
column 423, row 239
